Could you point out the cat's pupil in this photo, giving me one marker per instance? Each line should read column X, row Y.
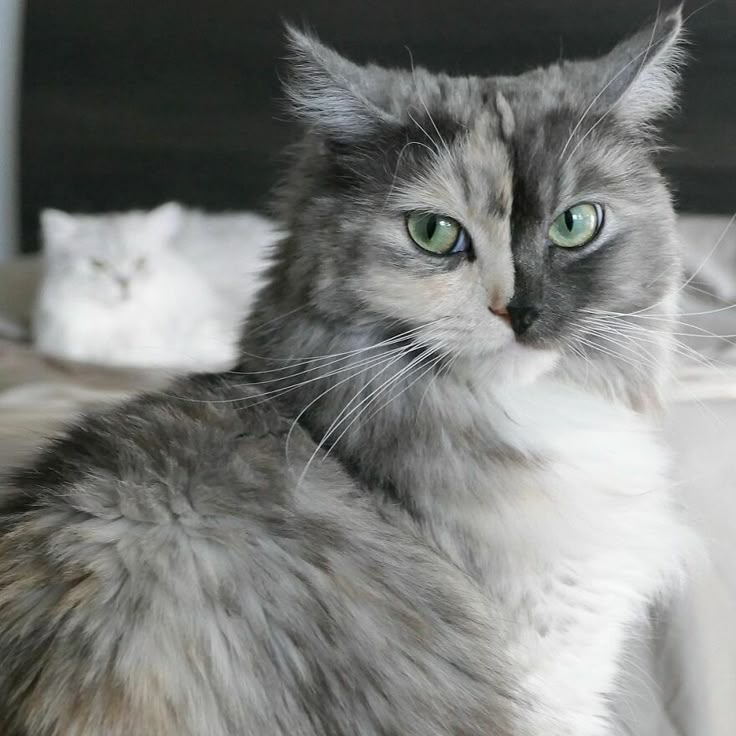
column 431, row 227
column 569, row 220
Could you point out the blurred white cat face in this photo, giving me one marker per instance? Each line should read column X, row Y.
column 109, row 258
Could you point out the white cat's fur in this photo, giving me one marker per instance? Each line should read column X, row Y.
column 166, row 288
column 571, row 547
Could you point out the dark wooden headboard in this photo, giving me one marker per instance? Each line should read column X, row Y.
column 128, row 104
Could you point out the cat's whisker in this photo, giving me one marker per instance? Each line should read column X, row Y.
column 596, row 347
column 654, row 337
column 265, row 396
column 630, row 346
column 365, row 402
column 424, row 104
column 346, row 411
column 313, row 402
column 705, row 334
column 687, row 283
column 718, row 242
column 421, row 127
column 423, row 347
column 700, row 290
column 396, row 168
column 672, row 320
column 437, row 360
column 401, row 353
column 297, row 362
column 362, row 366
column 444, row 370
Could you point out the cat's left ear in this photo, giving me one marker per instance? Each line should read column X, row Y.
column 163, row 222
column 57, row 228
column 330, row 93
column 637, row 81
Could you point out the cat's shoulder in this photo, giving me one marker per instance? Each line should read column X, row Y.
column 164, row 548
column 203, row 445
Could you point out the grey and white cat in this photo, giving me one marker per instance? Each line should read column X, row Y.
column 165, row 288
column 434, row 499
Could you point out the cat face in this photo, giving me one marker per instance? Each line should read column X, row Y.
column 499, row 216
column 109, row 257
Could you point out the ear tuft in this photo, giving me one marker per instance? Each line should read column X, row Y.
column 163, row 221
column 57, row 227
column 327, row 91
column 642, row 72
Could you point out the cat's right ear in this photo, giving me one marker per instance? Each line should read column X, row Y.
column 57, row 227
column 163, row 222
column 330, row 93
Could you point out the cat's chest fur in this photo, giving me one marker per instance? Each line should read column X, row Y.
column 556, row 502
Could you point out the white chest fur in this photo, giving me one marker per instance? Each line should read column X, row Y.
column 568, row 523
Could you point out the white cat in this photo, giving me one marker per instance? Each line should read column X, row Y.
column 166, row 288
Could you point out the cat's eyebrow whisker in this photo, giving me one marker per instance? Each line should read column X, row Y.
column 421, row 127
column 424, row 105
column 396, row 168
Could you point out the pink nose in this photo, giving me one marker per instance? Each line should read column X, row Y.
column 500, row 311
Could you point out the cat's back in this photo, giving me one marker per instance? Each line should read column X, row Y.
column 162, row 573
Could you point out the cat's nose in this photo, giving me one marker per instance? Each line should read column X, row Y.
column 124, row 283
column 522, row 316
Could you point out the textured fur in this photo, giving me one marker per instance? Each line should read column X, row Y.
column 397, row 517
column 165, row 288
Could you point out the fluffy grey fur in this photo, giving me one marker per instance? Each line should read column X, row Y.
column 390, row 520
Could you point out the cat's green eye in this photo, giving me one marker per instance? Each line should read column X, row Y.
column 577, row 225
column 98, row 264
column 438, row 234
